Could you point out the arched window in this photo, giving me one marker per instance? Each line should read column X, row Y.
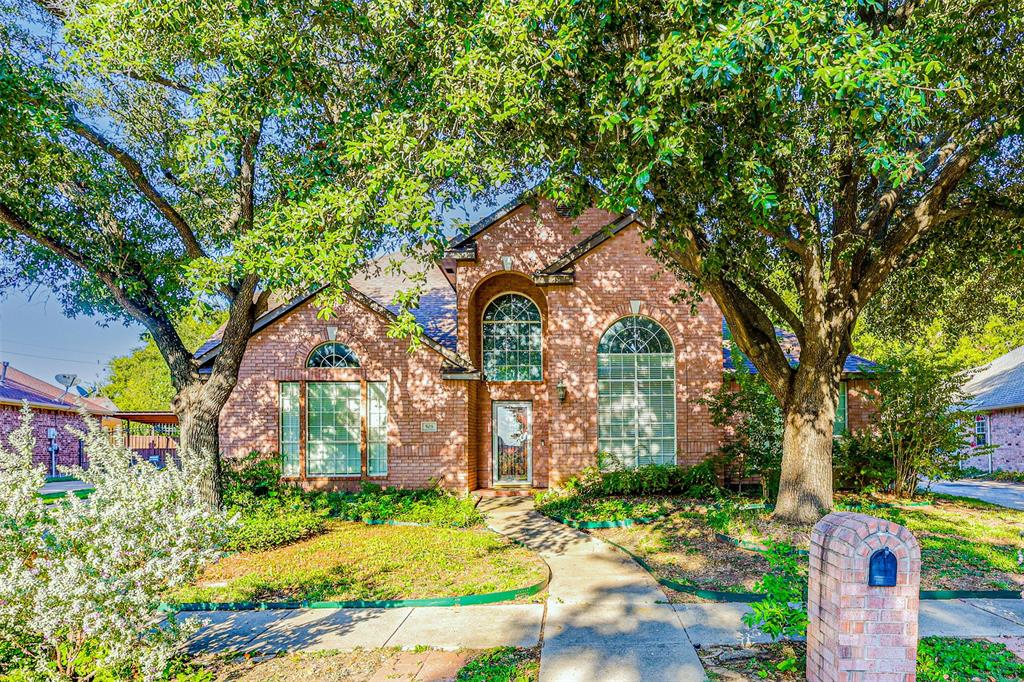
column 512, row 339
column 332, row 354
column 636, row 391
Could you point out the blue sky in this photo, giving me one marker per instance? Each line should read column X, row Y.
column 37, row 338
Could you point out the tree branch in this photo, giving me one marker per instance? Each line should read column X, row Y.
column 139, row 305
column 955, row 163
column 138, row 177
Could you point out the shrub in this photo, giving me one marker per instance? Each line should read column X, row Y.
column 653, row 479
column 269, row 526
column 862, row 462
column 750, row 408
column 783, row 612
column 922, row 410
column 431, row 506
column 580, row 508
column 80, row 580
column 269, row 513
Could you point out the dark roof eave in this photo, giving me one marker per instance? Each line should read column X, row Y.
column 588, row 244
column 450, row 356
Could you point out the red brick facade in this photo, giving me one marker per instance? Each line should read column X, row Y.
column 68, row 444
column 614, row 279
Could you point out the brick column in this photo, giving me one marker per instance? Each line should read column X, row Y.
column 859, row 633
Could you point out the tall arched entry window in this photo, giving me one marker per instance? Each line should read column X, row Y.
column 512, row 339
column 636, row 387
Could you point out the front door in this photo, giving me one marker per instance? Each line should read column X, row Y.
column 512, row 441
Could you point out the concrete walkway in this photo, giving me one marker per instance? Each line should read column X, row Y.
column 606, row 617
column 1003, row 493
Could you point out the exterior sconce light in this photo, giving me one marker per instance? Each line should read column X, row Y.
column 562, row 391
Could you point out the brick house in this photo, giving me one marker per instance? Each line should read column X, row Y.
column 547, row 339
column 997, row 393
column 54, row 412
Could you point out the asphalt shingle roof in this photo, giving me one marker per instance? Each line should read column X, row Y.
column 18, row 386
column 436, row 312
column 999, row 384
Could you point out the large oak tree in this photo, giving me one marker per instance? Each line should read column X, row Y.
column 787, row 158
column 142, row 147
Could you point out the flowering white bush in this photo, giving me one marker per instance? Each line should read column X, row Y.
column 80, row 580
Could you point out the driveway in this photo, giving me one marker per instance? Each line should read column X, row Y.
column 1003, row 493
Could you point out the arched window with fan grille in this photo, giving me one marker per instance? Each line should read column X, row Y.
column 636, row 393
column 332, row 354
column 512, row 339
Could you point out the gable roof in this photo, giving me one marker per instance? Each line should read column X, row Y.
column 854, row 364
column 588, row 244
column 375, row 289
column 999, row 384
column 18, row 387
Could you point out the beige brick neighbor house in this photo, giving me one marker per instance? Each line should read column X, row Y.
column 548, row 339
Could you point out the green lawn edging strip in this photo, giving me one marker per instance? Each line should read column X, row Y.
column 80, row 494
column 752, row 546
column 466, row 600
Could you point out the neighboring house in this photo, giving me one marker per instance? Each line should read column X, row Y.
column 547, row 339
column 997, row 393
column 54, row 410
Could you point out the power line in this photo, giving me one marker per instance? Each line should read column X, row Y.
column 50, row 357
column 77, row 351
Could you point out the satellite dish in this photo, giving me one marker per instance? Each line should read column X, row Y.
column 67, row 380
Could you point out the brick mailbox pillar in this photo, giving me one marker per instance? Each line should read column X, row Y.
column 858, row 632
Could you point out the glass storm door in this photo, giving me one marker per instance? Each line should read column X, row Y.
column 512, row 440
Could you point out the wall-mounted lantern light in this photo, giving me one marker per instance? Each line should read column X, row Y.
column 562, row 391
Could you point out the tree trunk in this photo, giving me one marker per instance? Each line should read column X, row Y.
column 805, row 486
column 199, row 442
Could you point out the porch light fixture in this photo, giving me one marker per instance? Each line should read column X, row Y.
column 562, row 391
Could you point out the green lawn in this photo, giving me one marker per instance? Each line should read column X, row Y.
column 355, row 561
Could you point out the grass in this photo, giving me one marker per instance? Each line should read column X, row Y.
column 52, row 497
column 354, row 561
column 581, row 508
column 504, row 664
column 939, row 659
column 965, row 545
